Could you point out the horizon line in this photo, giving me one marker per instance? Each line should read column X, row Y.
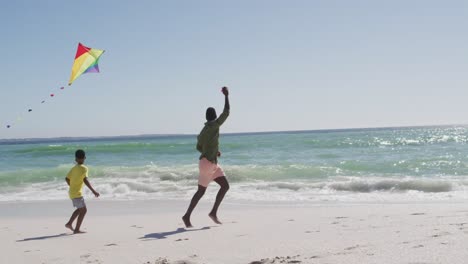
column 42, row 139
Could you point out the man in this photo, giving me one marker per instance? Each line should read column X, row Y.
column 209, row 170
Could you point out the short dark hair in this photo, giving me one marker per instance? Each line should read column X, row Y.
column 80, row 154
column 210, row 114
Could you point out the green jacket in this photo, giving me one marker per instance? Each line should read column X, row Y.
column 208, row 143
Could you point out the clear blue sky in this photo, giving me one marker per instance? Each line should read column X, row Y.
column 290, row 65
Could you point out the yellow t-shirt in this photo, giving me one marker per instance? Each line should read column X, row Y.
column 76, row 177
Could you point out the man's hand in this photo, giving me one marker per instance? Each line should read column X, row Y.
column 225, row 91
column 96, row 194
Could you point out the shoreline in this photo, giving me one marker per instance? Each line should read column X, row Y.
column 109, row 206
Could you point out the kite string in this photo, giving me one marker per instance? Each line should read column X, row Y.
column 20, row 117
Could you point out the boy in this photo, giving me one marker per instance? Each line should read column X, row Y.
column 75, row 179
column 209, row 170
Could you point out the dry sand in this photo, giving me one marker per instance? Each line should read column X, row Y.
column 153, row 232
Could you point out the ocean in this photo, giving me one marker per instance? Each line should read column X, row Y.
column 349, row 165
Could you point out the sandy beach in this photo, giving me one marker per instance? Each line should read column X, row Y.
column 152, row 232
column 329, row 132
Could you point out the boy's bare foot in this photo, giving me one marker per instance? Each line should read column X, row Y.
column 215, row 219
column 78, row 232
column 186, row 221
column 69, row 226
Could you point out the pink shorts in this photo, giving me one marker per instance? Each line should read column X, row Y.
column 208, row 172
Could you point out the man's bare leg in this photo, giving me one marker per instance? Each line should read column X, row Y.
column 196, row 197
column 223, row 183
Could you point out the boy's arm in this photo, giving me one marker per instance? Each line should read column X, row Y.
column 67, row 178
column 90, row 187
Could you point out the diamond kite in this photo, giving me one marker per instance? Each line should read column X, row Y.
column 86, row 61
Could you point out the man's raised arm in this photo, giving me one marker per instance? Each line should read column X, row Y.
column 224, row 115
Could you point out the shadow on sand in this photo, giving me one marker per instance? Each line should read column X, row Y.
column 164, row 235
column 42, row 237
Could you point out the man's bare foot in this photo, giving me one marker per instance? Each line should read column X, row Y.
column 187, row 221
column 215, row 219
column 78, row 232
column 69, row 226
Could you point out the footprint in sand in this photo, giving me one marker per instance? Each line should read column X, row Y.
column 441, row 234
column 161, row 261
column 287, row 259
column 109, row 245
column 86, row 256
column 418, row 214
column 167, row 261
column 419, row 246
column 181, row 239
column 460, row 226
column 27, row 251
column 353, row 247
column 135, row 226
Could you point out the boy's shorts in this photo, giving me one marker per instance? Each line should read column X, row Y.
column 208, row 172
column 78, row 202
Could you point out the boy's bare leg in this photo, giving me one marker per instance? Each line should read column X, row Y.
column 72, row 218
column 82, row 213
column 196, row 197
column 223, row 183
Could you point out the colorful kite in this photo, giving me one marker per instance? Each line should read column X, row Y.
column 86, row 61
